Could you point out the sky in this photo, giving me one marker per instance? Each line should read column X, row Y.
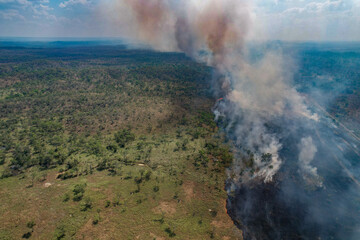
column 288, row 20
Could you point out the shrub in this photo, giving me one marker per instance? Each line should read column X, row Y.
column 112, row 148
column 102, row 165
column 59, row 233
column 213, row 213
column 30, row 224
column 66, row 197
column 96, row 220
column 86, row 204
column 147, row 175
column 26, row 235
column 2, row 157
column 266, row 157
column 170, row 232
column 79, row 191
column 21, row 156
column 123, row 136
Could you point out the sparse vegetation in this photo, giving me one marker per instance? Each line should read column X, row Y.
column 93, row 132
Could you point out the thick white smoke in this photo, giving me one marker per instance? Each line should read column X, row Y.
column 214, row 32
column 306, row 156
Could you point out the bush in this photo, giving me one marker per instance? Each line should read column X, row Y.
column 266, row 157
column 102, row 165
column 79, row 191
column 21, row 156
column 112, row 148
column 213, row 213
column 147, row 175
column 170, row 232
column 123, row 136
column 2, row 157
column 66, row 197
column 59, row 233
column 79, row 188
column 156, row 189
column 96, row 220
column 86, row 204
column 30, row 224
column 26, row 235
column 77, row 197
column 7, row 172
column 45, row 160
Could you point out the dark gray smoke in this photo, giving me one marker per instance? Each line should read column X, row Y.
column 285, row 174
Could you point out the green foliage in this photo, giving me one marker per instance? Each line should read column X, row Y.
column 213, row 213
column 112, row 148
column 221, row 152
column 207, row 119
column 156, row 188
column 21, row 156
column 31, row 224
column 94, row 147
column 2, row 157
column 266, row 157
column 7, row 172
column 123, row 136
column 170, row 232
column 27, row 235
column 147, row 175
column 103, row 164
column 67, row 116
column 45, row 160
column 96, row 219
column 86, row 204
column 66, row 197
column 78, row 191
column 59, row 233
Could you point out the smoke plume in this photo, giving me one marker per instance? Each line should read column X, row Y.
column 272, row 130
column 306, row 156
column 214, row 32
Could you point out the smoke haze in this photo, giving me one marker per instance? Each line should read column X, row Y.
column 214, row 32
column 275, row 136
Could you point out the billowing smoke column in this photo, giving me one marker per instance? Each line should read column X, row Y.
column 214, row 32
column 275, row 136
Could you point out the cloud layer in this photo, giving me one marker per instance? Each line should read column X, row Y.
column 299, row 20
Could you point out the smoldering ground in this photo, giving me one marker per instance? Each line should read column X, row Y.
column 286, row 182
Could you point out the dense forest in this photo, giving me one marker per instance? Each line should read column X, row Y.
column 104, row 142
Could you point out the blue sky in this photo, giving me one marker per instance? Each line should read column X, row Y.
column 299, row 20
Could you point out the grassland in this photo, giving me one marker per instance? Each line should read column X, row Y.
column 109, row 143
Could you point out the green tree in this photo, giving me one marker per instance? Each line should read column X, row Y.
column 124, row 136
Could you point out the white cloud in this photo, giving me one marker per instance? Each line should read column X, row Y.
column 11, row 14
column 72, row 2
column 308, row 20
column 319, row 7
column 43, row 10
column 21, row 2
